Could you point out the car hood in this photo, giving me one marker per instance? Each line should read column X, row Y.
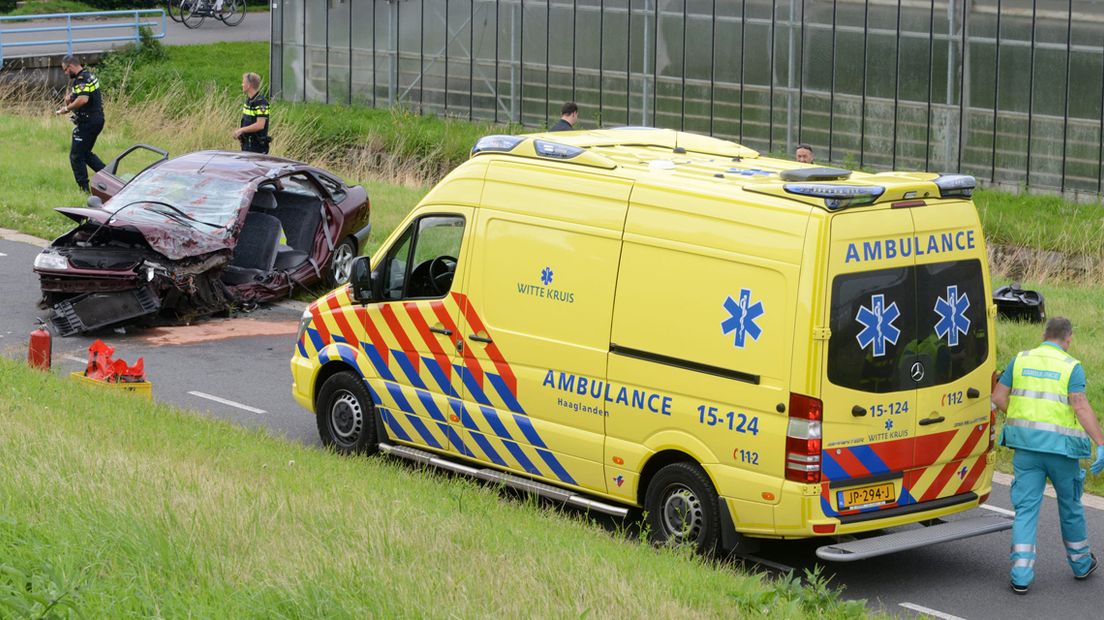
column 174, row 241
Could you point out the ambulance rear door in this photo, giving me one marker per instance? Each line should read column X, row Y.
column 954, row 350
column 869, row 395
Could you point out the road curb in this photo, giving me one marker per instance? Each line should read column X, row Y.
column 15, row 235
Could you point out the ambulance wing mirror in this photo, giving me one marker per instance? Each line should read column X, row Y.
column 361, row 280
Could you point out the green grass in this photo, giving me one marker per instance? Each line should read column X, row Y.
column 112, row 508
column 44, row 7
column 429, row 145
column 1044, row 222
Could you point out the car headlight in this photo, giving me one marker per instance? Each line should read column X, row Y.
column 51, row 260
column 304, row 321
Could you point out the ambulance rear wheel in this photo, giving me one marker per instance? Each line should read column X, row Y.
column 346, row 415
column 683, row 508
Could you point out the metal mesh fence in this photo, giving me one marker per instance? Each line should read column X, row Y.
column 1010, row 91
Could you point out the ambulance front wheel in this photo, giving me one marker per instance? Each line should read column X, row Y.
column 683, row 508
column 346, row 415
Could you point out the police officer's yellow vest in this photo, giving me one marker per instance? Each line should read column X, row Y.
column 1039, row 414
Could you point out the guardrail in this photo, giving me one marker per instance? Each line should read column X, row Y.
column 74, row 26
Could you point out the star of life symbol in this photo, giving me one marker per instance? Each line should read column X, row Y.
column 889, row 425
column 741, row 318
column 962, row 473
column 877, row 322
column 952, row 316
column 546, row 276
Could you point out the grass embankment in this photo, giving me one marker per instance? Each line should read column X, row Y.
column 44, row 7
column 112, row 508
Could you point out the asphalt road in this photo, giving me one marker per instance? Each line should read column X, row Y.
column 255, row 27
column 237, row 369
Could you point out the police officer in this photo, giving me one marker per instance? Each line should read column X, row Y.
column 253, row 132
column 85, row 102
column 1050, row 424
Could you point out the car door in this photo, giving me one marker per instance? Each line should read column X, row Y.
column 955, row 348
column 537, row 309
column 869, row 394
column 410, row 331
column 121, row 170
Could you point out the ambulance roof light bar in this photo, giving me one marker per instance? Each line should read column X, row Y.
column 956, row 185
column 556, row 150
column 837, row 196
column 496, row 143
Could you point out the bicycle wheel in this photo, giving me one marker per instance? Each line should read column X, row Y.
column 233, row 12
column 192, row 12
column 171, row 11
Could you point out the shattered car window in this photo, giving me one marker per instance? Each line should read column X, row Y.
column 203, row 197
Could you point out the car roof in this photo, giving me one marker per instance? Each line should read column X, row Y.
column 240, row 165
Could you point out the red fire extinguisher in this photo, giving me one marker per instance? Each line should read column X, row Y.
column 39, row 351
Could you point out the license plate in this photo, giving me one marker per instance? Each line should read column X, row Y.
column 872, row 495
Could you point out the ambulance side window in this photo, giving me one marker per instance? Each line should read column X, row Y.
column 394, row 267
column 423, row 262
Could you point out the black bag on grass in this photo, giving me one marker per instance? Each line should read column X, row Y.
column 1018, row 304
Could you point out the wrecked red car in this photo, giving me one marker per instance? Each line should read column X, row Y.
column 199, row 234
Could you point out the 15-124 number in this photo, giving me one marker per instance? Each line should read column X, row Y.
column 739, row 422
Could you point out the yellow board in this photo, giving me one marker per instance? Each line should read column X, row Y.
column 143, row 389
column 592, row 309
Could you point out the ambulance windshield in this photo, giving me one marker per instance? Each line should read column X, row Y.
column 907, row 327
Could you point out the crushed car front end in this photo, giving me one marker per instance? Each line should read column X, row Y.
column 97, row 275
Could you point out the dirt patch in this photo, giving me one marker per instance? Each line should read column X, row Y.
column 1035, row 265
column 216, row 330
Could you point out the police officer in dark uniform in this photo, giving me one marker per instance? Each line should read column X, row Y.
column 253, row 132
column 85, row 102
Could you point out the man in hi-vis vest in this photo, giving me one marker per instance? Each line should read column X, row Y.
column 1050, row 425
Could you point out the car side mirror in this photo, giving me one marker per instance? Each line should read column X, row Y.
column 361, row 280
column 94, row 202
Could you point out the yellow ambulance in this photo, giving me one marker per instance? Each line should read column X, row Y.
column 647, row 319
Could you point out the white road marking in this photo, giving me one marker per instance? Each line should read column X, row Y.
column 2, row 254
column 997, row 509
column 74, row 358
column 930, row 612
column 228, row 402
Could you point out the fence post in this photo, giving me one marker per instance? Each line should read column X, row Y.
column 646, row 72
column 790, row 68
column 952, row 67
column 69, row 35
column 393, row 55
column 137, row 30
column 515, row 47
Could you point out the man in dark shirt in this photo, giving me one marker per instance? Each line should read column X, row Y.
column 85, row 102
column 569, row 115
column 253, row 132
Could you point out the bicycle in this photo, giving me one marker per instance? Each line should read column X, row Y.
column 193, row 12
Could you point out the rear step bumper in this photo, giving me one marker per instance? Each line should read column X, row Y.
column 515, row 482
column 893, row 542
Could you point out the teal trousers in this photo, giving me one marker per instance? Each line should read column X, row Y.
column 1032, row 470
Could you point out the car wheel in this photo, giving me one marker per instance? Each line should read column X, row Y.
column 341, row 263
column 346, row 415
column 683, row 508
